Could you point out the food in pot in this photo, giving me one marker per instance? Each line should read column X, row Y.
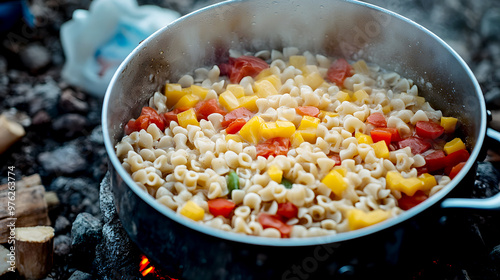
column 289, row 144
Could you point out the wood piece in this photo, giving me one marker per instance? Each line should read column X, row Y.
column 10, row 133
column 52, row 199
column 25, row 182
column 34, row 251
column 30, row 209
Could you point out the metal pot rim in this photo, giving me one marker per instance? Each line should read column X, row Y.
column 265, row 241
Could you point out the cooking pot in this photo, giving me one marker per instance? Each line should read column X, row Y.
column 349, row 29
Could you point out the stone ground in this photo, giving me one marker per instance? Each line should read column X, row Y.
column 64, row 143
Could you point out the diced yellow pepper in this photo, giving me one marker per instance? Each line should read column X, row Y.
column 428, row 181
column 237, row 90
column 449, row 124
column 361, row 67
column 342, row 96
column 453, row 146
column 275, row 173
column 228, row 100
column 387, row 109
column 251, row 130
column 363, row 138
column 277, row 129
column 297, row 139
column 297, row 61
column 396, row 181
column 192, row 211
column 273, row 79
column 234, row 137
column 323, row 114
column 174, row 92
column 381, row 150
column 201, row 92
column 360, row 96
column 359, row 219
column 187, row 101
column 314, row 80
column 308, row 135
column 341, row 170
column 335, row 181
column 188, row 118
column 309, row 122
column 264, row 88
column 264, row 73
column 248, row 102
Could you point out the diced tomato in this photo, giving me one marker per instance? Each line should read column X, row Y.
column 221, row 207
column 377, row 119
column 287, row 210
column 131, row 126
column 338, row 71
column 455, row 169
column 243, row 66
column 275, row 221
column 394, row 133
column 457, row 157
column 153, row 117
column 416, row 144
column 169, row 117
column 381, row 135
column 235, row 126
column 435, row 161
column 206, row 108
column 307, row 111
column 407, row 202
column 273, row 147
column 240, row 113
column 421, row 170
column 428, row 129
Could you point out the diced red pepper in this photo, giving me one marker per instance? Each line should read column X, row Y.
column 154, row 117
column 240, row 113
column 338, row 71
column 416, row 144
column 235, row 126
column 221, row 207
column 457, row 157
column 273, row 147
column 243, row 66
column 435, row 161
column 307, row 111
column 275, row 221
column 377, row 119
column 455, row 169
column 287, row 210
column 336, row 158
column 407, row 202
column 381, row 135
column 142, row 122
column 131, row 126
column 428, row 129
column 206, row 108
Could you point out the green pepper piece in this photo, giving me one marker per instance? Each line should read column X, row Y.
column 286, row 183
column 233, row 182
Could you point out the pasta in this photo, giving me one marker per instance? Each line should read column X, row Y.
column 294, row 145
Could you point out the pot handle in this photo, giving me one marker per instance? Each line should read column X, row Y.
column 490, row 203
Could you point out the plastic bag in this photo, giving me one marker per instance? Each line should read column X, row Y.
column 96, row 41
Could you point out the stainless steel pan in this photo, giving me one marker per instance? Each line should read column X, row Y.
column 333, row 27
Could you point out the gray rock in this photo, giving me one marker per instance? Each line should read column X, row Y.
column 41, row 117
column 490, row 24
column 96, row 136
column 61, row 224
column 79, row 275
column 48, row 95
column 107, row 200
column 70, row 103
column 62, row 245
column 35, row 56
column 86, row 231
column 64, row 160
column 70, row 124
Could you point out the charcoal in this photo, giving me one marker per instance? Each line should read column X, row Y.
column 63, row 160
column 79, row 275
column 62, row 245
